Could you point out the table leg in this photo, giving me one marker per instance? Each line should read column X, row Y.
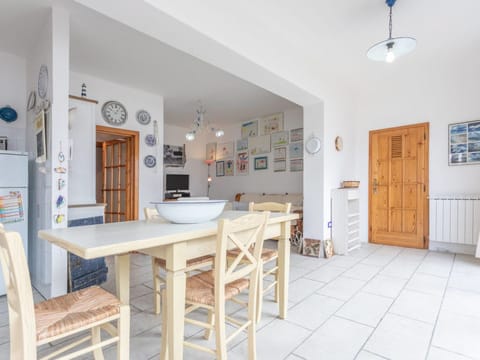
column 176, row 282
column 122, row 277
column 284, row 267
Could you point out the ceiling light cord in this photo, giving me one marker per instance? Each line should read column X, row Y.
column 390, row 25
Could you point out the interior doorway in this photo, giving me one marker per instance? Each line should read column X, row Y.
column 117, row 173
column 398, row 186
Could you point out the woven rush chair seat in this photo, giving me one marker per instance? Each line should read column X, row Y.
column 69, row 312
column 200, row 288
column 85, row 312
column 196, row 264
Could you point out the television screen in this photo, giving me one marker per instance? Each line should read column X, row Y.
column 177, row 182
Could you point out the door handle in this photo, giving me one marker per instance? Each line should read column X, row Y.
column 375, row 185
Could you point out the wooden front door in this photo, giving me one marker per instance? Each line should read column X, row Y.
column 398, row 186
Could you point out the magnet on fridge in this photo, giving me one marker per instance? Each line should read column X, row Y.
column 59, row 218
column 60, row 170
column 60, row 184
column 60, row 201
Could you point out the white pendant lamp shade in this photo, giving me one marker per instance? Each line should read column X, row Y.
column 390, row 49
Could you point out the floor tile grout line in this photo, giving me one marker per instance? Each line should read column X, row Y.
column 393, row 302
column 440, row 308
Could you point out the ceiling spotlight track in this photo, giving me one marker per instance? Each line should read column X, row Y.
column 392, row 48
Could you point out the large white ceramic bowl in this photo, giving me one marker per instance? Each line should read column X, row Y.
column 190, row 212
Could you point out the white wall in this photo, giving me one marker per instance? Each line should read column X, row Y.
column 257, row 181
column 440, row 96
column 150, row 179
column 13, row 72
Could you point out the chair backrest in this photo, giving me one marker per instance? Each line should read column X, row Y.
column 242, row 233
column 151, row 213
column 19, row 293
column 270, row 206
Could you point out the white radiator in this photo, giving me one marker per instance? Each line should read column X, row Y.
column 455, row 218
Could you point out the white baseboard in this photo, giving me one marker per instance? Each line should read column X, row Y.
column 452, row 248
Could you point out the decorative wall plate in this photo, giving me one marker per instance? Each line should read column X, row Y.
column 150, row 140
column 43, row 81
column 114, row 113
column 143, row 117
column 150, row 161
column 8, row 114
column 313, row 145
column 339, row 143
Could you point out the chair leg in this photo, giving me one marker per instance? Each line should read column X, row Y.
column 258, row 315
column 123, row 348
column 156, row 287
column 252, row 341
column 97, row 338
column 164, row 350
column 220, row 331
column 211, row 321
column 277, row 288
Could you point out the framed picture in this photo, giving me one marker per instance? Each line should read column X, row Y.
column 296, row 134
column 279, row 165
column 261, row 163
column 242, row 144
column 40, row 137
column 249, row 129
column 242, row 163
column 211, row 151
column 271, row 124
column 259, row 145
column 174, row 155
column 225, row 151
column 279, row 153
column 229, row 168
column 296, row 165
column 464, row 143
column 220, row 165
column 279, row 138
column 295, row 150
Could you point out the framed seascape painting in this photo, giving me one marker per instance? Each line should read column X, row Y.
column 296, row 134
column 296, row 165
column 279, row 165
column 464, row 143
column 242, row 144
column 279, row 153
column 295, row 150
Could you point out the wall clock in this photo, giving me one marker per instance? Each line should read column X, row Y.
column 43, row 81
column 114, row 113
column 313, row 145
column 143, row 117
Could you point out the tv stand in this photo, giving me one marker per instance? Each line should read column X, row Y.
column 176, row 195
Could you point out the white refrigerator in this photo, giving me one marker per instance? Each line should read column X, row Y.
column 14, row 197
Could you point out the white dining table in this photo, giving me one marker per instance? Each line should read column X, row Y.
column 176, row 243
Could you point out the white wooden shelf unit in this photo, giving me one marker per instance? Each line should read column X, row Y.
column 345, row 220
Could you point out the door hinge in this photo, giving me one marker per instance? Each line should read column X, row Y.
column 424, row 136
column 424, row 188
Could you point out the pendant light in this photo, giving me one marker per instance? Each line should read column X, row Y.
column 392, row 48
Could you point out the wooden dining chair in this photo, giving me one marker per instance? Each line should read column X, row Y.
column 158, row 264
column 32, row 325
column 211, row 289
column 268, row 255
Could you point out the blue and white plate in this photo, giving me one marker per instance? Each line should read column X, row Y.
column 150, row 140
column 150, row 161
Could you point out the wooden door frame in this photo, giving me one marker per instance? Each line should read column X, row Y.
column 135, row 135
column 426, row 212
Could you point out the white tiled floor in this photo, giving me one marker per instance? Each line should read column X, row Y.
column 379, row 302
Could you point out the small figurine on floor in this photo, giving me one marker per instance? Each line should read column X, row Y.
column 84, row 90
